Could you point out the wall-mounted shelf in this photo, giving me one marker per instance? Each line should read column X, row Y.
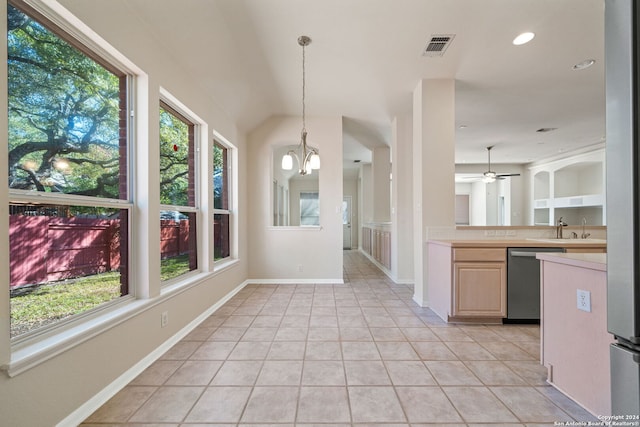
column 572, row 188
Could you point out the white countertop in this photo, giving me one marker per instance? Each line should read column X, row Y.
column 593, row 261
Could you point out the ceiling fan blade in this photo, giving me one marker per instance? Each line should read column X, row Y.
column 502, row 175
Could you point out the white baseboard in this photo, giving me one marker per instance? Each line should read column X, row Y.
column 91, row 405
column 382, row 268
column 423, row 304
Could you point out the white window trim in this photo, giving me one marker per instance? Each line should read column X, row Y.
column 199, row 125
column 44, row 343
column 232, row 211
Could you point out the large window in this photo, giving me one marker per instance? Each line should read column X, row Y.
column 67, row 158
column 178, row 239
column 221, row 201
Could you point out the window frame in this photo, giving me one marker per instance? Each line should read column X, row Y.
column 231, row 182
column 174, row 107
column 106, row 57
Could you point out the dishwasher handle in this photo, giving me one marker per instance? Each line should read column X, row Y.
column 522, row 254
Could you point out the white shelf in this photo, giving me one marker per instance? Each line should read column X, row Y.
column 579, row 201
column 572, row 188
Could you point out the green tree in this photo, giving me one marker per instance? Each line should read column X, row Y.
column 63, row 114
column 174, row 160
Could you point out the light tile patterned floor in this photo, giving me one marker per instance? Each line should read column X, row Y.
column 360, row 353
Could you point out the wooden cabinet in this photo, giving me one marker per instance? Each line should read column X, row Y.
column 468, row 279
column 377, row 244
column 479, row 283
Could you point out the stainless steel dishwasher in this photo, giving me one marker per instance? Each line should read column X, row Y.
column 523, row 284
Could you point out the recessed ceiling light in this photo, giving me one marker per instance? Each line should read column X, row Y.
column 462, row 127
column 523, row 38
column 584, row 64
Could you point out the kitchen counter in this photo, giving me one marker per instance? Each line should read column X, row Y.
column 467, row 280
column 524, row 243
column 573, row 328
column 593, row 261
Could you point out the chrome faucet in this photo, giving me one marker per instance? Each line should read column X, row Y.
column 584, row 235
column 559, row 224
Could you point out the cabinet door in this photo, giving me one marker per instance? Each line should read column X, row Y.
column 480, row 289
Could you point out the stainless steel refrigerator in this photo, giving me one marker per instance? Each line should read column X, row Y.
column 622, row 67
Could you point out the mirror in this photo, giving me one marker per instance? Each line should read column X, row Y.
column 295, row 198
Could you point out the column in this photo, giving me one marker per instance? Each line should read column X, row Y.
column 433, row 169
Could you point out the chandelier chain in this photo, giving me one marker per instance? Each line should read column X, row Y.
column 304, row 127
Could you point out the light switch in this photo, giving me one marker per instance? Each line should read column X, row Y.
column 584, row 300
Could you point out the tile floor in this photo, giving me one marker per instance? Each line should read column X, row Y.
column 360, row 353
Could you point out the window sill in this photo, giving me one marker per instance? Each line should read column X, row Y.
column 38, row 349
column 224, row 264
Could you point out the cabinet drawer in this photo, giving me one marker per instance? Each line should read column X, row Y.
column 477, row 254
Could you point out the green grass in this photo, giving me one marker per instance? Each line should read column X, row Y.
column 39, row 305
column 174, row 266
column 54, row 301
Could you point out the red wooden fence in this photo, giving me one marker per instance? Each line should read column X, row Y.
column 45, row 248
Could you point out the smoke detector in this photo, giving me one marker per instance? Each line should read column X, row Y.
column 438, row 44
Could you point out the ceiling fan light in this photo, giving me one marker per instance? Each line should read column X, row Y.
column 488, row 179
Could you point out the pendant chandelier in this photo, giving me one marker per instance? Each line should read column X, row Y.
column 306, row 155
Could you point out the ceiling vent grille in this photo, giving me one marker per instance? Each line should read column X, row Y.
column 438, row 44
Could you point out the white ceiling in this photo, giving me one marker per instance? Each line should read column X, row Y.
column 365, row 60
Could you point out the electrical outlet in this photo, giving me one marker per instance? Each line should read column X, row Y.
column 300, row 268
column 164, row 319
column 584, row 300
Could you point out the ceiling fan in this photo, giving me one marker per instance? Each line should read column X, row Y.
column 490, row 176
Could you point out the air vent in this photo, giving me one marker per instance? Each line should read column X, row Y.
column 438, row 44
column 543, row 130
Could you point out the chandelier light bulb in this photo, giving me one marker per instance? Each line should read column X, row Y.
column 287, row 162
column 314, row 162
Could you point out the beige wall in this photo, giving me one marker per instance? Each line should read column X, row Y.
column 47, row 393
column 279, row 253
column 380, row 170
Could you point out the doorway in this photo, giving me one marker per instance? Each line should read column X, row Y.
column 346, row 222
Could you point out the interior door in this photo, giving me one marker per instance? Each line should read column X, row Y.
column 346, row 222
